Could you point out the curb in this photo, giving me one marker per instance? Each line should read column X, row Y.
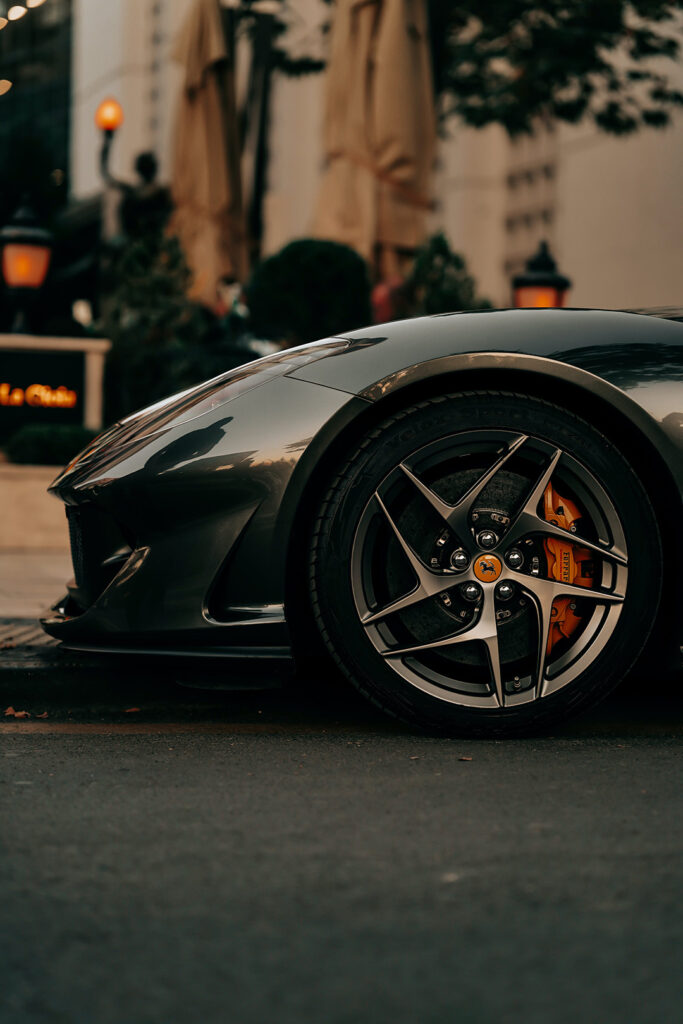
column 35, row 666
column 24, row 646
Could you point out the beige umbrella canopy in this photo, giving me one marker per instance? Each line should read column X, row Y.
column 208, row 218
column 380, row 130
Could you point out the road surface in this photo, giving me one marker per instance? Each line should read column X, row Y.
column 214, row 857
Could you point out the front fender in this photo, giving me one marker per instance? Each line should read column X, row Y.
column 632, row 363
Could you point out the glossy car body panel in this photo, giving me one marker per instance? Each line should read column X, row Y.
column 632, row 361
column 210, row 505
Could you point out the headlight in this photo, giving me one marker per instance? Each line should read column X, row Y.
column 202, row 398
column 135, row 429
column 205, row 397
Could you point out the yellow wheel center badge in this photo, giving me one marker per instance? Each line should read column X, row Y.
column 487, row 568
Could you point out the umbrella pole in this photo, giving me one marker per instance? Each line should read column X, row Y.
column 263, row 72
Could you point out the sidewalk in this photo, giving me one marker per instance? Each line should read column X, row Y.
column 32, row 519
column 31, row 581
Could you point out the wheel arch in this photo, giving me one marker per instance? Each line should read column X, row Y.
column 617, row 416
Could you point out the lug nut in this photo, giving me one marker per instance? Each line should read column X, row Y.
column 470, row 591
column 515, row 558
column 504, row 591
column 487, row 539
column 460, row 560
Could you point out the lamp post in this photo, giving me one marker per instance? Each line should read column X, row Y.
column 108, row 118
column 26, row 255
column 540, row 284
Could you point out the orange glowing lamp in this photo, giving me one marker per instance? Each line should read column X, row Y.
column 26, row 251
column 109, row 115
column 25, row 266
column 540, row 286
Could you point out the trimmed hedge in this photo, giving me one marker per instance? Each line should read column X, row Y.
column 40, row 445
column 310, row 289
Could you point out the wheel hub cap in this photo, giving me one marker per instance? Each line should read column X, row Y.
column 487, row 568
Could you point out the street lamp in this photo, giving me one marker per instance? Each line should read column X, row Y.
column 540, row 284
column 26, row 254
column 108, row 118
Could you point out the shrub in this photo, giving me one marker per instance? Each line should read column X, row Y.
column 162, row 341
column 151, row 323
column 43, row 445
column 440, row 282
column 310, row 289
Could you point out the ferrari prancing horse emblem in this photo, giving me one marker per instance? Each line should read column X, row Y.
column 487, row 568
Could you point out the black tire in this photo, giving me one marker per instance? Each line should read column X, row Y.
column 345, row 566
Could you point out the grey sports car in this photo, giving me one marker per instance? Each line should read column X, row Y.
column 476, row 515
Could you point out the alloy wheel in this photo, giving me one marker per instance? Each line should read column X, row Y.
column 489, row 568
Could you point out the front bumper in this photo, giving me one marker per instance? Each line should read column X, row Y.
column 178, row 540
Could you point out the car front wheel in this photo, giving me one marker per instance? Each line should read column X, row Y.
column 485, row 563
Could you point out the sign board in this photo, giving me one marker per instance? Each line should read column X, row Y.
column 52, row 381
column 40, row 387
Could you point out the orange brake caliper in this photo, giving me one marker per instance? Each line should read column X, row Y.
column 567, row 563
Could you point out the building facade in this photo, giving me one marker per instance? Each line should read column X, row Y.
column 123, row 49
column 610, row 208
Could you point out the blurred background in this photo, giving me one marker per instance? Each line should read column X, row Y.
column 200, row 182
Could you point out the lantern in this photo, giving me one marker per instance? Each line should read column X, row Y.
column 540, row 285
column 26, row 251
column 26, row 254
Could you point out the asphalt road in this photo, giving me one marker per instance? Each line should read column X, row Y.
column 217, row 857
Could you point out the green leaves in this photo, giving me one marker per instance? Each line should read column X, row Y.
column 511, row 62
column 154, row 327
column 440, row 282
column 310, row 289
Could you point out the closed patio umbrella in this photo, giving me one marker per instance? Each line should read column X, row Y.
column 380, row 130
column 206, row 186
